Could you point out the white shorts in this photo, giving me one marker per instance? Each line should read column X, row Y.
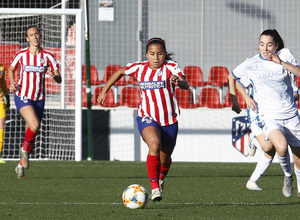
column 289, row 127
column 256, row 128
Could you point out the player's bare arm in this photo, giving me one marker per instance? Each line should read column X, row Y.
column 13, row 84
column 114, row 78
column 250, row 102
column 232, row 90
column 290, row 67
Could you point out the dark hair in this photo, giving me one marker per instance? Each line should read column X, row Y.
column 157, row 40
column 276, row 37
column 31, row 26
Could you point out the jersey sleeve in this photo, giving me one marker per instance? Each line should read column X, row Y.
column 241, row 70
column 15, row 61
column 53, row 64
column 245, row 82
column 294, row 84
column 132, row 68
column 174, row 68
column 287, row 56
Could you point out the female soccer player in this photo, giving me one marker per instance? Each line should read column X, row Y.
column 4, row 106
column 257, row 137
column 34, row 62
column 270, row 73
column 158, row 110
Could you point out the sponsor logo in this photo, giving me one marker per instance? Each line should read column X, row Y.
column 270, row 75
column 40, row 69
column 152, row 85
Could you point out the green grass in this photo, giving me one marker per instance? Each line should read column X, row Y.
column 93, row 190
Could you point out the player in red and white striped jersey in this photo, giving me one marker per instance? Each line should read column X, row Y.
column 158, row 111
column 33, row 62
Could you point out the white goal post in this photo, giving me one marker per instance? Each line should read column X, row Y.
column 78, row 67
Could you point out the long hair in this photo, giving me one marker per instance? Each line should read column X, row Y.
column 157, row 40
column 276, row 37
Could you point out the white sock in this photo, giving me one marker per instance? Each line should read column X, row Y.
column 261, row 167
column 297, row 172
column 285, row 164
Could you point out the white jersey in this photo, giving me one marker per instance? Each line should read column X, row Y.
column 272, row 85
column 157, row 92
column 33, row 68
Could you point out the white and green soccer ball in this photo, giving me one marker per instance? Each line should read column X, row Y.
column 135, row 196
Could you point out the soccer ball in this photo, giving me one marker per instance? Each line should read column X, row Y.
column 135, row 197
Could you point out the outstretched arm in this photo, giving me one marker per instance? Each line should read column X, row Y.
column 114, row 78
column 13, row 84
column 290, row 67
column 232, row 91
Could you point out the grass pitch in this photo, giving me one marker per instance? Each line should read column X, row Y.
column 93, row 190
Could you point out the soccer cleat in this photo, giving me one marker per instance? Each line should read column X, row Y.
column 156, row 195
column 2, row 161
column 161, row 185
column 24, row 159
column 251, row 145
column 287, row 188
column 20, row 172
column 251, row 185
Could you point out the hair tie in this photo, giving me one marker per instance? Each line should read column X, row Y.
column 156, row 39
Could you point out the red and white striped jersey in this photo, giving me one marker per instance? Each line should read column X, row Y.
column 32, row 73
column 157, row 91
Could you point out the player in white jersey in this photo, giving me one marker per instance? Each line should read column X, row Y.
column 257, row 137
column 270, row 73
column 33, row 62
column 158, row 111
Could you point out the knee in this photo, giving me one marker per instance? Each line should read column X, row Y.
column 154, row 147
column 282, row 151
column 35, row 126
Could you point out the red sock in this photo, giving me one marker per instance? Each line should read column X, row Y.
column 164, row 169
column 153, row 168
column 29, row 140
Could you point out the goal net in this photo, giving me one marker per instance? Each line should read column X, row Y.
column 61, row 125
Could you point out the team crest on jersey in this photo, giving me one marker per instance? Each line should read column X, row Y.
column 160, row 73
column 147, row 119
column 42, row 60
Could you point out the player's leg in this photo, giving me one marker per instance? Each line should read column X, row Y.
column 150, row 132
column 166, row 161
column 264, row 162
column 168, row 142
column 2, row 123
column 33, row 124
column 151, row 136
column 279, row 141
column 296, row 156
